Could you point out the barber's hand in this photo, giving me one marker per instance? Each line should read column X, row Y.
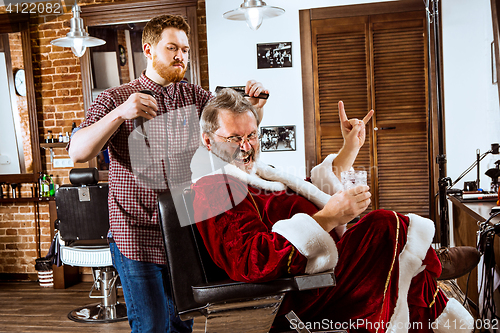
column 253, row 89
column 343, row 207
column 138, row 105
column 353, row 130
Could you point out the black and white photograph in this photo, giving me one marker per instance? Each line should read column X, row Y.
column 277, row 138
column 274, row 55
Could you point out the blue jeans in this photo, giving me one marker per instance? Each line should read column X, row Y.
column 146, row 288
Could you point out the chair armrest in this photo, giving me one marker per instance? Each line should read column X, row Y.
column 231, row 290
column 315, row 281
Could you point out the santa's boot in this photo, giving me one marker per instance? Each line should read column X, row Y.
column 457, row 261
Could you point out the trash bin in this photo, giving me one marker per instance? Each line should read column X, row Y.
column 45, row 273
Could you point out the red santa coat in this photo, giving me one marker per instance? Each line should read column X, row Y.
column 259, row 228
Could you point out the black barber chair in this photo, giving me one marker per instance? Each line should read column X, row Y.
column 83, row 223
column 200, row 288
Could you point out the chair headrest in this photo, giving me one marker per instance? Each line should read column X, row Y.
column 84, row 176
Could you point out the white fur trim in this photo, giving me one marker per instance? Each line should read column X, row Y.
column 323, row 177
column 311, row 240
column 272, row 179
column 278, row 181
column 253, row 179
column 300, row 186
column 454, row 318
column 420, row 270
column 264, row 177
column 418, row 240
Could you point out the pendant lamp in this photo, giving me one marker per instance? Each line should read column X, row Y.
column 77, row 38
column 253, row 12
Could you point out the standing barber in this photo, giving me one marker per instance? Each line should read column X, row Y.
column 135, row 238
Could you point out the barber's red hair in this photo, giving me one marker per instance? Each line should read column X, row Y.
column 153, row 29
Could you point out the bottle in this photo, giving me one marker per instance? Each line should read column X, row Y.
column 14, row 188
column 60, row 139
column 48, row 138
column 498, row 199
column 52, row 190
column 45, row 186
column 39, row 191
column 66, row 137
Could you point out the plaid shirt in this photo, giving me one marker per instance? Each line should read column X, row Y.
column 140, row 168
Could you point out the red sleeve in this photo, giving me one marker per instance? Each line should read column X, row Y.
column 236, row 238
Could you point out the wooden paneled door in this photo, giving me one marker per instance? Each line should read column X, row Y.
column 377, row 62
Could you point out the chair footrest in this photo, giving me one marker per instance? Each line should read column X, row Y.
column 86, row 256
column 232, row 290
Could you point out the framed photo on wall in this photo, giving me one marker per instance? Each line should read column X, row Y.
column 277, row 138
column 274, row 55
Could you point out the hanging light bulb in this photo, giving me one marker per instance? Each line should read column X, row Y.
column 77, row 38
column 78, row 48
column 253, row 12
column 254, row 18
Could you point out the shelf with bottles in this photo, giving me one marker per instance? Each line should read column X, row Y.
column 28, row 199
column 51, row 141
column 20, row 192
column 46, row 186
column 53, row 145
column 55, row 140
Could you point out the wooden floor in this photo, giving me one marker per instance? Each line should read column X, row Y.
column 26, row 307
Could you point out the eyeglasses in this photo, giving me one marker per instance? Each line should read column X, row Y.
column 238, row 140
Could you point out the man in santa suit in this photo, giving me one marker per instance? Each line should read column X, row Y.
column 259, row 224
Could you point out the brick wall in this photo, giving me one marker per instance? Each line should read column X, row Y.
column 124, row 70
column 59, row 102
column 18, row 237
column 202, row 42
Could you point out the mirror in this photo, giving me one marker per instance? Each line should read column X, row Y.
column 19, row 152
column 14, row 158
column 121, row 60
column 117, row 62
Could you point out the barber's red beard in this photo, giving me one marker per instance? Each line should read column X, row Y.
column 169, row 72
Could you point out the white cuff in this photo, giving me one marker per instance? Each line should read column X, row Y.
column 418, row 241
column 311, row 241
column 454, row 318
column 322, row 176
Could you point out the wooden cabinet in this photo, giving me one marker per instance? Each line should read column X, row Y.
column 377, row 61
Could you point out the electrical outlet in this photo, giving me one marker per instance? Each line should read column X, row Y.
column 63, row 163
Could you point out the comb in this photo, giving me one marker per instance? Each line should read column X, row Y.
column 241, row 90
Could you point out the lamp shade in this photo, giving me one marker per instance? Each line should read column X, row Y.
column 253, row 12
column 77, row 38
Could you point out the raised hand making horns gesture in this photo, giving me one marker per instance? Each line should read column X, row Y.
column 353, row 130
